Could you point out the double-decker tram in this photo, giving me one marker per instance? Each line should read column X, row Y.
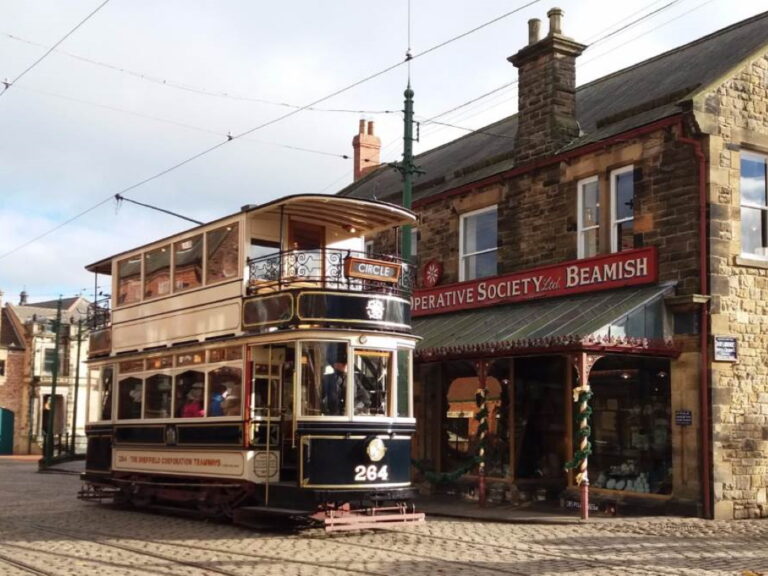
column 260, row 364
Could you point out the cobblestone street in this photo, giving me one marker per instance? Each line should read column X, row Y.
column 47, row 531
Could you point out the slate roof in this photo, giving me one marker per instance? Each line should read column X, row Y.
column 630, row 98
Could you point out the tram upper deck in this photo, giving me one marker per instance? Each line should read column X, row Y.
column 299, row 262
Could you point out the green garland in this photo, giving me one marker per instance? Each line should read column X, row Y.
column 448, row 477
column 582, row 432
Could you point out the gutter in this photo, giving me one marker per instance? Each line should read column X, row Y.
column 704, row 374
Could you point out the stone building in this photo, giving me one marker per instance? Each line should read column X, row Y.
column 28, row 342
column 615, row 234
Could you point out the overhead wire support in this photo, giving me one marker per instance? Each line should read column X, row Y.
column 121, row 198
column 7, row 84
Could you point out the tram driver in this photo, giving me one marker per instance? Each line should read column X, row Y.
column 334, row 390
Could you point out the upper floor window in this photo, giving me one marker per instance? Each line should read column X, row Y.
column 589, row 217
column 188, row 263
column 222, row 254
column 478, row 244
column 157, row 272
column 129, row 280
column 754, row 205
column 623, row 209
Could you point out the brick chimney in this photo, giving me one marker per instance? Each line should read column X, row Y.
column 546, row 109
column 367, row 148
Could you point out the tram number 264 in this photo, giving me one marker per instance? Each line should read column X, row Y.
column 371, row 473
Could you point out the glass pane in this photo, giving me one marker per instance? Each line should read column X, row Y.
column 223, row 259
column 102, row 401
column 753, row 231
column 157, row 273
column 323, row 378
column 188, row 263
column 129, row 280
column 480, row 266
column 589, row 243
column 129, row 399
column 372, row 382
column 480, row 232
column 753, row 184
column 590, row 204
column 158, row 396
column 403, row 380
column 625, row 195
column 625, row 236
column 188, row 394
column 225, row 391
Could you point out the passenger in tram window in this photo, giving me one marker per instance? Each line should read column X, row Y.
column 217, row 398
column 193, row 407
column 230, row 405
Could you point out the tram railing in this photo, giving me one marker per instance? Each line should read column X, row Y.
column 99, row 314
column 325, row 269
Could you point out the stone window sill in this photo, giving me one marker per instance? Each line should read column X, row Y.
column 752, row 261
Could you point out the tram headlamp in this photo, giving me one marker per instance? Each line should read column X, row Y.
column 376, row 449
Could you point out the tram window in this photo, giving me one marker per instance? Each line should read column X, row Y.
column 188, row 263
column 129, row 398
column 225, row 391
column 157, row 272
column 158, row 396
column 403, row 380
column 372, row 382
column 188, row 394
column 222, row 251
column 100, row 401
column 323, row 378
column 129, row 280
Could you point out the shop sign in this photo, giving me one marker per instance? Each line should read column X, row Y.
column 726, row 349
column 683, row 417
column 368, row 269
column 629, row 268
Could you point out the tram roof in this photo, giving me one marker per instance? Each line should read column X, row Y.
column 365, row 216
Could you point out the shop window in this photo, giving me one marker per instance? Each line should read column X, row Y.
column 157, row 272
column 623, row 209
column 631, row 435
column 188, row 263
column 225, row 391
column 478, row 244
column 189, row 394
column 158, row 396
column 49, row 360
column 754, row 205
column 588, row 217
column 129, row 280
column 539, row 427
column 130, row 397
column 222, row 253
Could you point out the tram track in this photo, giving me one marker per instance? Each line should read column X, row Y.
column 23, row 566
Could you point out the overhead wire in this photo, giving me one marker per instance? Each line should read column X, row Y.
column 7, row 84
column 263, row 125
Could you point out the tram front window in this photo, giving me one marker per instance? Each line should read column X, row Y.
column 372, row 382
column 323, row 378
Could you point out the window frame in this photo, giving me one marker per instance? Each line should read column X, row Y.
column 751, row 206
column 581, row 229
column 615, row 222
column 462, row 229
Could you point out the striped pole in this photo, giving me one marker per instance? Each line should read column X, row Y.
column 482, row 430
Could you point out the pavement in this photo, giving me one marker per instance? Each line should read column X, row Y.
column 447, row 506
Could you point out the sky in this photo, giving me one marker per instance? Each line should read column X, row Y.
column 143, row 86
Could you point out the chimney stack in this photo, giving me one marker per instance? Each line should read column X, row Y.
column 23, row 298
column 546, row 112
column 367, row 150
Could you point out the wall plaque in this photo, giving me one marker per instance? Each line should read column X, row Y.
column 726, row 349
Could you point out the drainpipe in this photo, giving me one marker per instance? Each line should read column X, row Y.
column 706, row 462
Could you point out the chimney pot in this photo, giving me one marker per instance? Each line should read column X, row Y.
column 361, row 130
column 534, row 26
column 370, row 128
column 555, row 21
